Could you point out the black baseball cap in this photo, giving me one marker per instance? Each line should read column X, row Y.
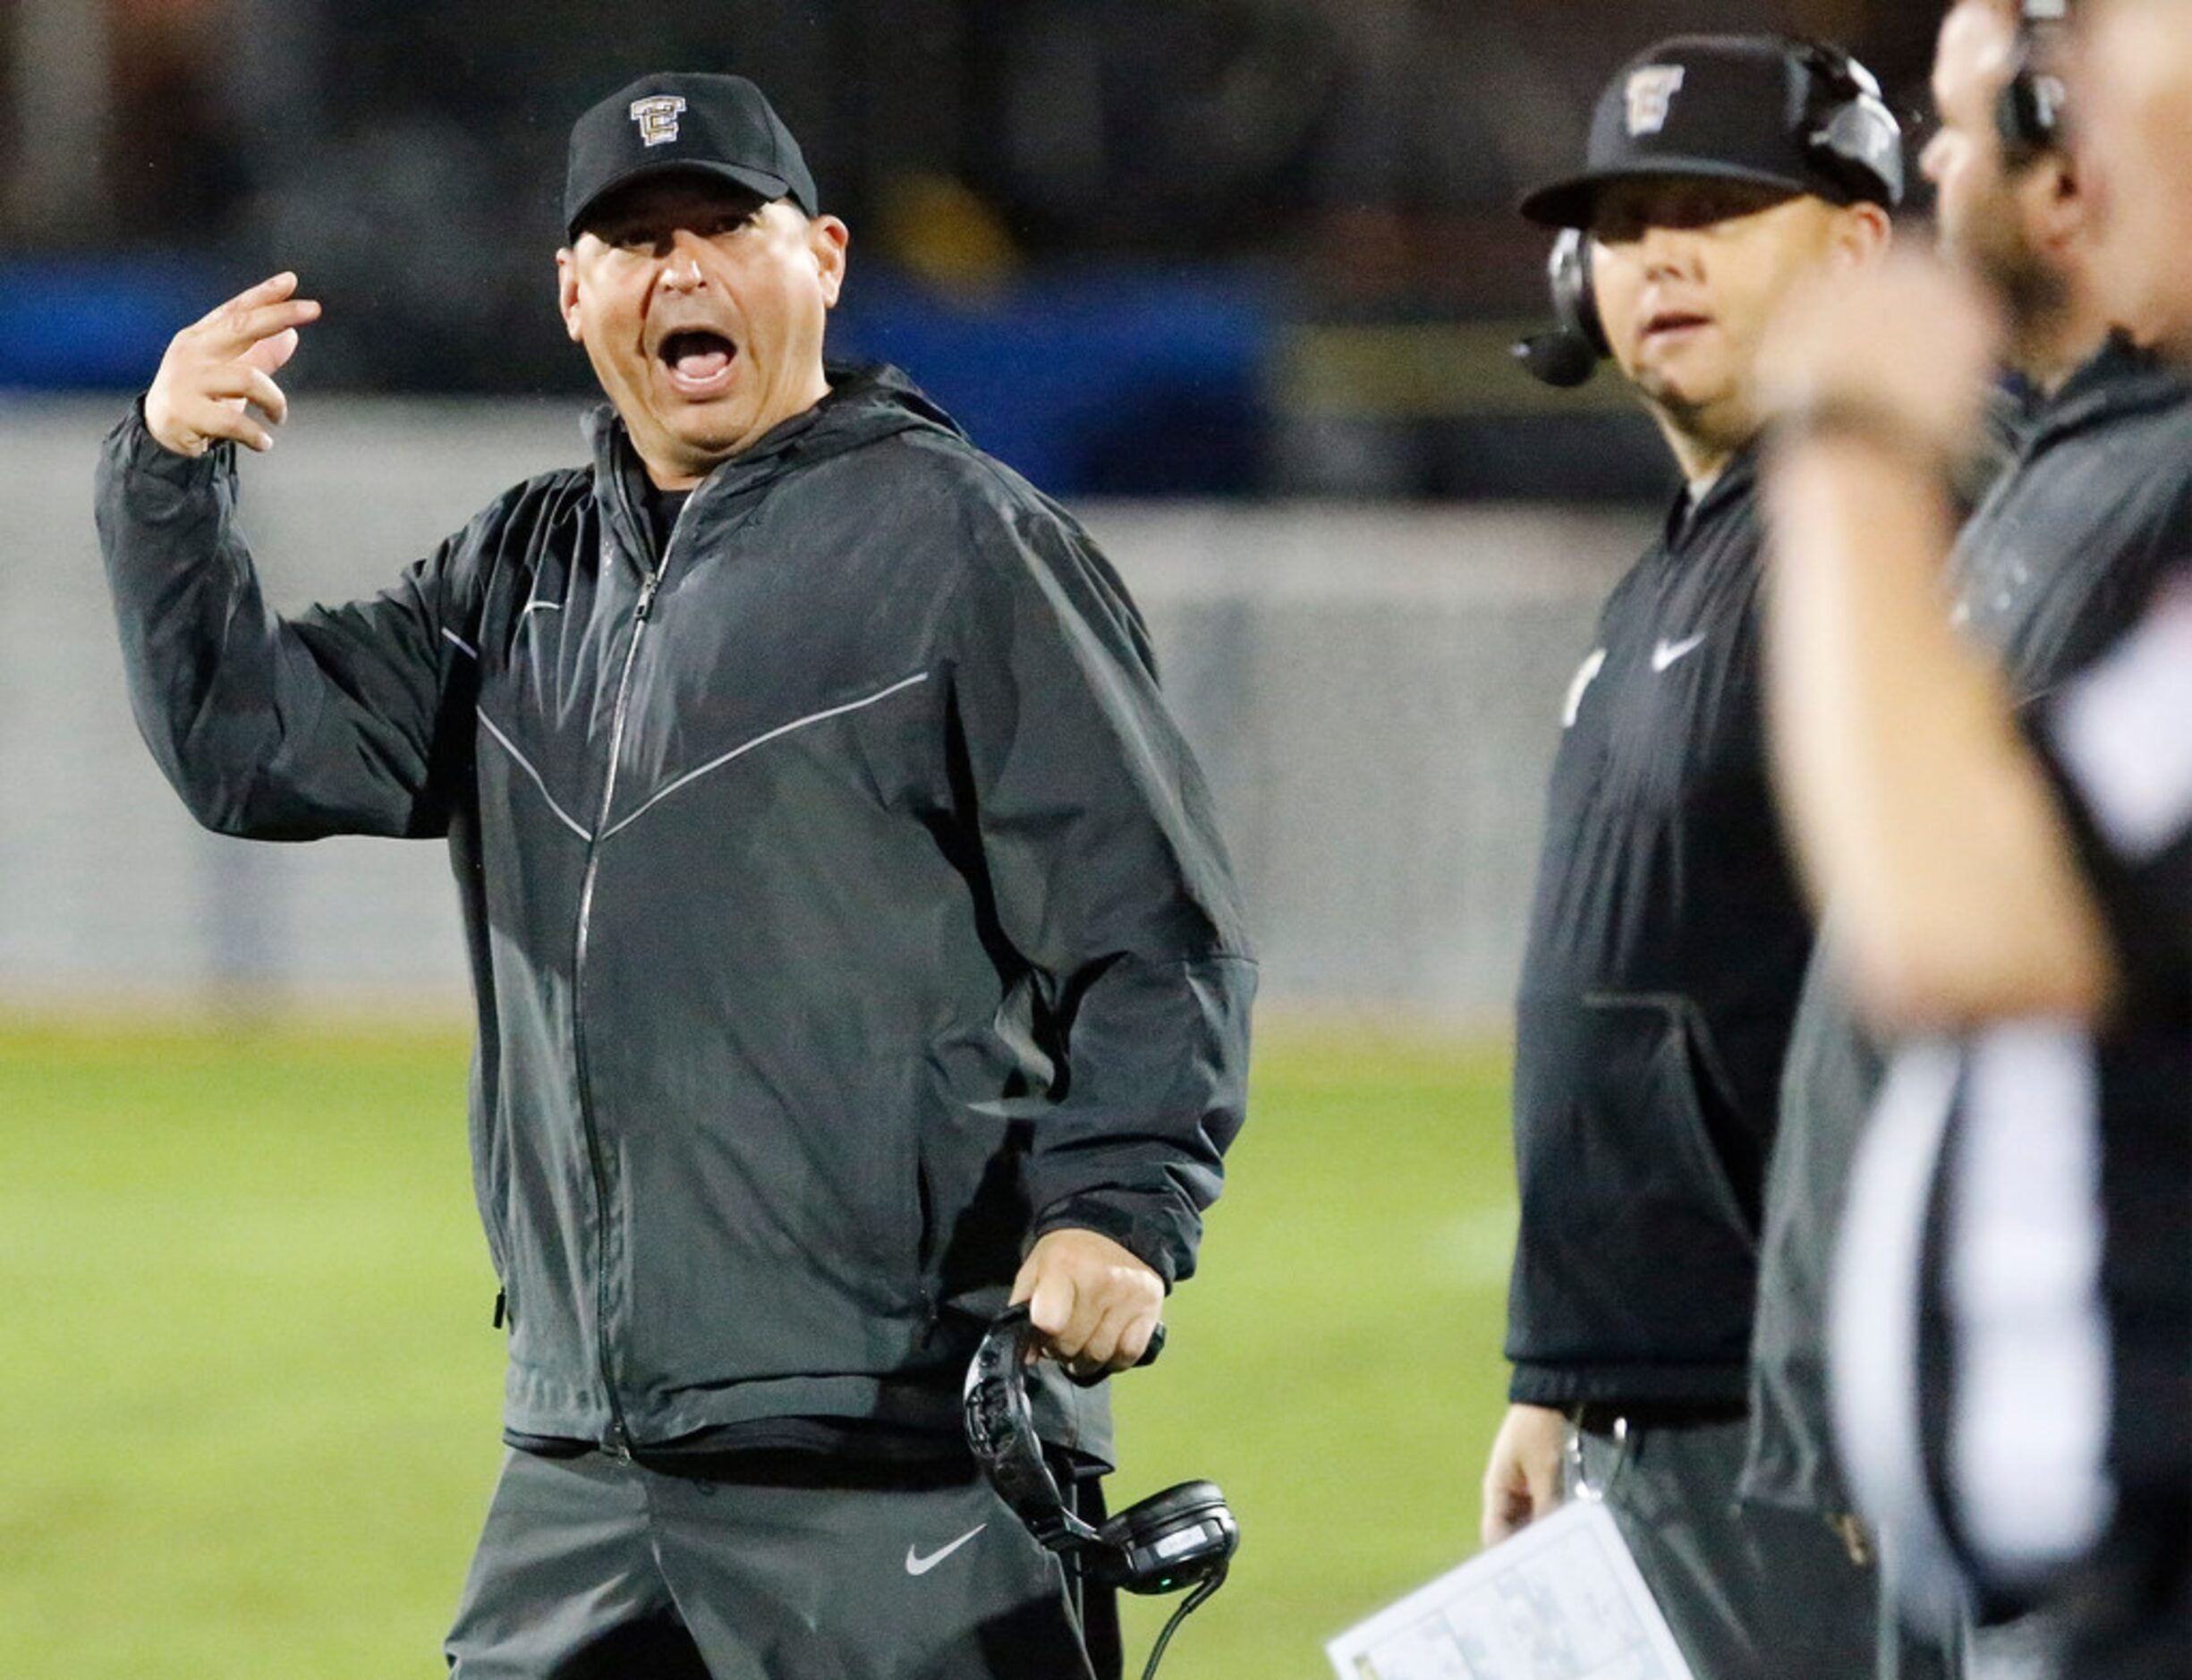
column 716, row 125
column 1798, row 114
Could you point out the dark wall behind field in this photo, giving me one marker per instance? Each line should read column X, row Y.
column 1157, row 207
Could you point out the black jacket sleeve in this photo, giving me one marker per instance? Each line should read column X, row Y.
column 1109, row 880
column 343, row 720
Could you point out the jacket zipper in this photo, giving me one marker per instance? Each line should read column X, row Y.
column 619, row 1442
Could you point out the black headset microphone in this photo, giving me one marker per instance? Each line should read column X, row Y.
column 1848, row 131
column 1184, row 1536
column 1570, row 354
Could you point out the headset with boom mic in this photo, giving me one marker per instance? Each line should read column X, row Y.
column 1184, row 1536
column 2030, row 109
column 1568, row 355
column 1848, row 131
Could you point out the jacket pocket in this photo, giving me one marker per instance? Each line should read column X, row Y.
column 490, row 1178
column 1685, row 1085
column 902, row 1238
column 971, row 1197
column 851, row 1208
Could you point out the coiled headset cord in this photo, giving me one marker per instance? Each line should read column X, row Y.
column 1202, row 1592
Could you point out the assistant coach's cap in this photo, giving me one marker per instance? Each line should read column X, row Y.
column 1793, row 113
column 716, row 125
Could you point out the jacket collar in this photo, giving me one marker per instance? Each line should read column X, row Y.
column 1738, row 478
column 2117, row 380
column 867, row 401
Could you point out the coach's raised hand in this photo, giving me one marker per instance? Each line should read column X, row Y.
column 216, row 379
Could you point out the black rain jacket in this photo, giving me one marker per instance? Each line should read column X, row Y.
column 845, row 910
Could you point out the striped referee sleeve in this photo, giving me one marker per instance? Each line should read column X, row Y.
column 2119, row 741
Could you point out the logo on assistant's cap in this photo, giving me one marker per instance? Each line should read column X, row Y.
column 1651, row 96
column 657, row 113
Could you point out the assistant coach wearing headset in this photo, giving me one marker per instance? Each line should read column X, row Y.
column 1668, row 936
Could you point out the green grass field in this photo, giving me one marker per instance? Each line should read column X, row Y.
column 250, row 1391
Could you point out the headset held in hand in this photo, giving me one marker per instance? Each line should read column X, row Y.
column 1184, row 1536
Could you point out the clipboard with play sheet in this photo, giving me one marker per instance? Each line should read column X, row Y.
column 1562, row 1600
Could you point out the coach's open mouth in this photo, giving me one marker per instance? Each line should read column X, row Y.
column 1671, row 321
column 698, row 362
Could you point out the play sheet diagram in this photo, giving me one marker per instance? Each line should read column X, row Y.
column 1562, row 1600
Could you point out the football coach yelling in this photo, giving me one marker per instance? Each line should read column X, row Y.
column 1668, row 936
column 854, row 946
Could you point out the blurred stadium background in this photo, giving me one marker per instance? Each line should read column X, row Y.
column 1233, row 276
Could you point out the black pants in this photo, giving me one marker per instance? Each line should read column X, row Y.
column 1749, row 1592
column 792, row 1567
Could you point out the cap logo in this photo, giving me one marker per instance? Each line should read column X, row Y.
column 656, row 116
column 1651, row 96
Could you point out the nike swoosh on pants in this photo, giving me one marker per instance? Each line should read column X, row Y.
column 916, row 1564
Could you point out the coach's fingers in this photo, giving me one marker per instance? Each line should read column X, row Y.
column 210, row 418
column 1541, row 1477
column 272, row 354
column 1506, row 1513
column 1085, row 1294
column 1053, row 1304
column 1522, row 1477
column 1102, row 1340
column 1509, row 1504
column 236, row 325
column 239, row 381
column 224, row 315
column 233, row 420
column 268, row 397
column 1105, row 1350
column 268, row 337
column 217, row 368
column 263, row 395
column 1104, row 1277
column 1135, row 1339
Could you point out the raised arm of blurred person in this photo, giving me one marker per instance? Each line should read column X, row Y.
column 1913, row 804
column 2009, row 1321
column 2081, row 500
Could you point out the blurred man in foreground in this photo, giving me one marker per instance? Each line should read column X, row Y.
column 2056, row 561
column 1668, row 936
column 2012, row 1316
column 853, row 944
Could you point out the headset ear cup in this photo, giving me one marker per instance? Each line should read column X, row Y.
column 1574, row 296
column 1866, row 143
column 2028, row 112
column 2013, row 116
column 1169, row 1541
column 1848, row 127
column 2016, row 113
